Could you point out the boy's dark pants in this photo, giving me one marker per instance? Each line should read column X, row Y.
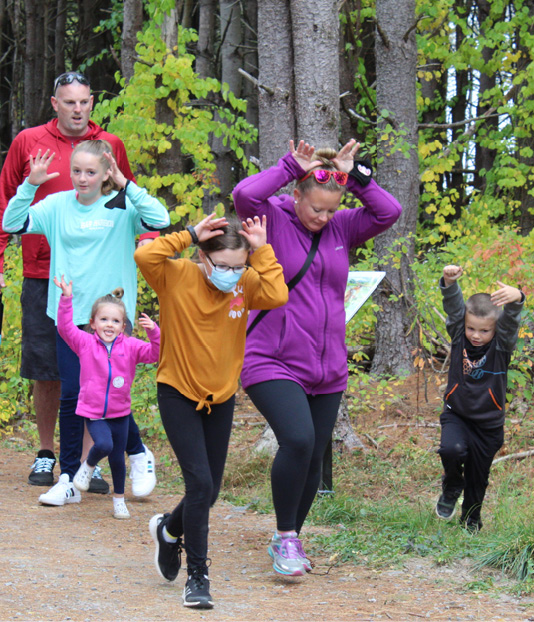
column 467, row 452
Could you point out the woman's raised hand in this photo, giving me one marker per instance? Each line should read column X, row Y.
column 115, row 172
column 344, row 159
column 303, row 154
column 66, row 288
column 39, row 168
column 210, row 227
column 255, row 231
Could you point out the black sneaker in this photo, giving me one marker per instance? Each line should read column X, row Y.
column 446, row 505
column 42, row 473
column 168, row 556
column 473, row 525
column 98, row 483
column 197, row 589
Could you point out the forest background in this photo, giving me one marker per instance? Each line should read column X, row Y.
column 439, row 93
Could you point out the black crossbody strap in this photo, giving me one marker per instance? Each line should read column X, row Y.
column 294, row 280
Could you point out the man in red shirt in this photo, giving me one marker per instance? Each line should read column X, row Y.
column 73, row 102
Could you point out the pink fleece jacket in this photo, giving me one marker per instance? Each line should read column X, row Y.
column 105, row 378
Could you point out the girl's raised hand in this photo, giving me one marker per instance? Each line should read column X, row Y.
column 146, row 322
column 39, row 168
column 66, row 288
column 255, row 231
column 344, row 160
column 303, row 154
column 115, row 172
column 210, row 227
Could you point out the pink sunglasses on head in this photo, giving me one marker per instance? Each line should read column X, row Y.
column 323, row 177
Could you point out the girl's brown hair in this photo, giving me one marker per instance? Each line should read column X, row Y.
column 230, row 239
column 325, row 155
column 98, row 148
column 115, row 298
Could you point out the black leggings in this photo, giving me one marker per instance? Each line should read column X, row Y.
column 200, row 442
column 303, row 425
column 467, row 453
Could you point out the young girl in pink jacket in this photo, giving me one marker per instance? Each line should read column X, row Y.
column 108, row 359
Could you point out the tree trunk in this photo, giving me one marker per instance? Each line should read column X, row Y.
column 276, row 105
column 60, row 38
column 484, row 156
column 231, row 39
column 250, row 64
column 35, row 62
column 396, row 56
column 458, row 113
column 132, row 24
column 171, row 161
column 315, row 31
column 204, row 61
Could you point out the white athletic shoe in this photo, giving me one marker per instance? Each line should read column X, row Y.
column 120, row 510
column 60, row 494
column 143, row 473
column 82, row 479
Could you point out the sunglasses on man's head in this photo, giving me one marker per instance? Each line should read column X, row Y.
column 68, row 78
column 323, row 177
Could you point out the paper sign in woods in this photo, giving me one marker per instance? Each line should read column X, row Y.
column 360, row 286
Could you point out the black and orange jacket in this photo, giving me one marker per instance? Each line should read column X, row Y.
column 476, row 388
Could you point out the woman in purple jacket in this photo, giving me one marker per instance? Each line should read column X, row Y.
column 295, row 367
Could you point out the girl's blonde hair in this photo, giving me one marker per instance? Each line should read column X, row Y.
column 115, row 298
column 98, row 148
column 325, row 155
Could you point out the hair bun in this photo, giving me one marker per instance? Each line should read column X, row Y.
column 325, row 155
column 118, row 293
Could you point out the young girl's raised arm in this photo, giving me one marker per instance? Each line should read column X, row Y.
column 74, row 336
column 148, row 352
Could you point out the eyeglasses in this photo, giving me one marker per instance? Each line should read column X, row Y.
column 323, row 177
column 220, row 267
column 68, row 78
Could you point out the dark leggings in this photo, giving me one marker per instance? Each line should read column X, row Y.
column 200, row 442
column 303, row 425
column 467, row 452
column 110, row 436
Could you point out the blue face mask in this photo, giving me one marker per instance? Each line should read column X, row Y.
column 225, row 281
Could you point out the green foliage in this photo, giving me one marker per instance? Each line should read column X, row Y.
column 510, row 546
column 14, row 390
column 165, row 81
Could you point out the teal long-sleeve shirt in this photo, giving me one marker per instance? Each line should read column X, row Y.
column 91, row 245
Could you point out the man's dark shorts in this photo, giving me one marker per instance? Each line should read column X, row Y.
column 38, row 361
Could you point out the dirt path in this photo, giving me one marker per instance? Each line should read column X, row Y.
column 78, row 563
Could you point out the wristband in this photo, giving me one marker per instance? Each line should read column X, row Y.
column 192, row 233
column 362, row 171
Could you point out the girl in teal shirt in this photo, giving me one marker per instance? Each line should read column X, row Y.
column 91, row 232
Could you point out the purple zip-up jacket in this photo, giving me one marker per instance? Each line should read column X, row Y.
column 105, row 378
column 304, row 341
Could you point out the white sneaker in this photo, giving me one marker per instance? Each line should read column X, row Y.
column 143, row 473
column 120, row 510
column 82, row 479
column 63, row 492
